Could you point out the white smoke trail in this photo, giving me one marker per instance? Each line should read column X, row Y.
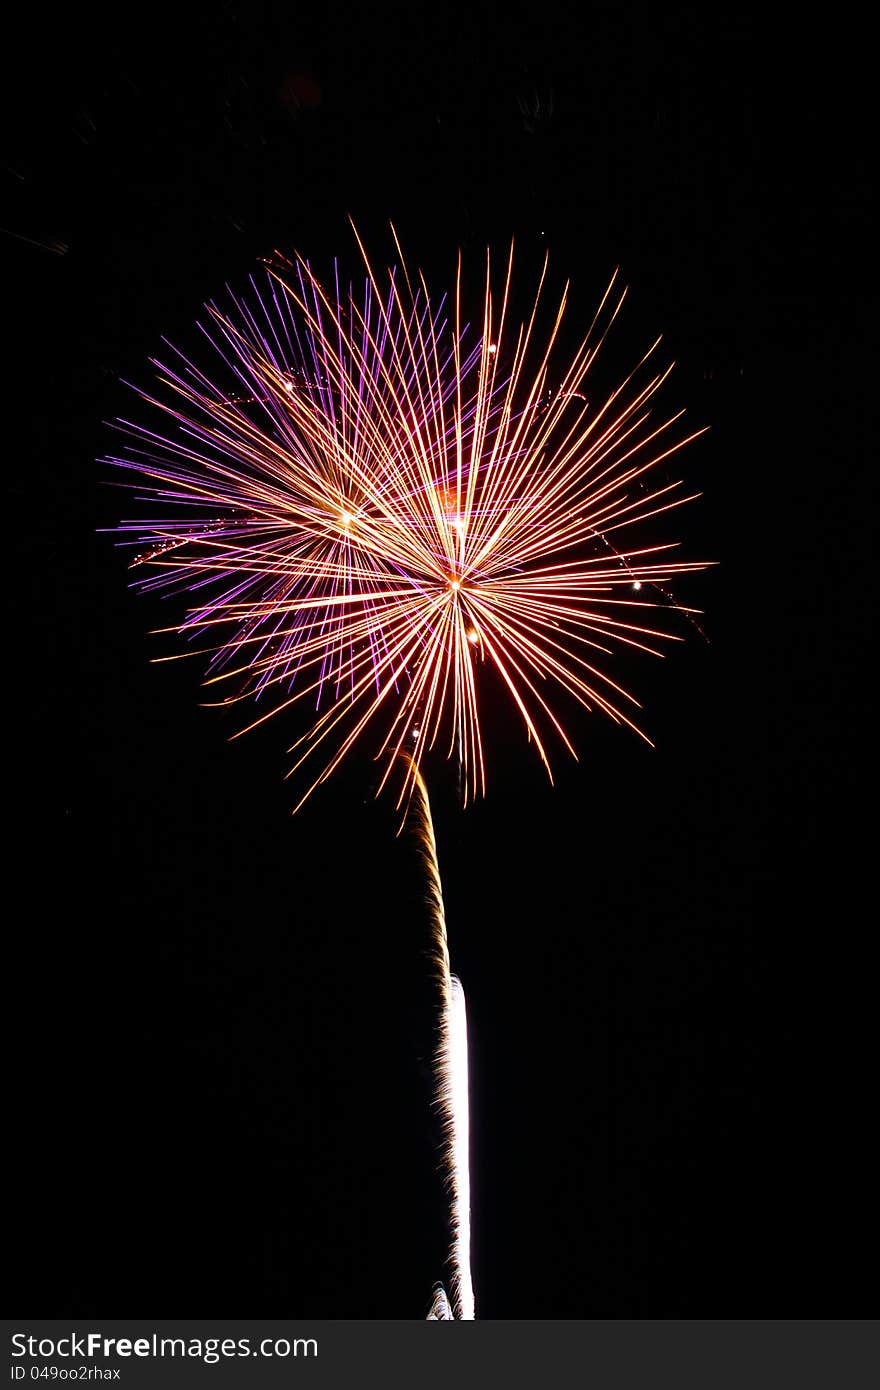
column 451, row 1071
column 453, row 1098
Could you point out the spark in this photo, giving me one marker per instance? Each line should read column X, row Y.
column 440, row 1310
column 402, row 500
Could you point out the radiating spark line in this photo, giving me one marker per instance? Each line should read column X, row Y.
column 389, row 501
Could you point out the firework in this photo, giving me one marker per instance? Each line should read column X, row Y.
column 451, row 1071
column 379, row 501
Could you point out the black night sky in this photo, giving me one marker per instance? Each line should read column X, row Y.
column 218, row 1080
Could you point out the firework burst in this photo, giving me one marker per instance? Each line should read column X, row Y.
column 380, row 501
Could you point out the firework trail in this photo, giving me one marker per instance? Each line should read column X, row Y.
column 451, row 1072
column 381, row 501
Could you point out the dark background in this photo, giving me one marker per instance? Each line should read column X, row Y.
column 218, row 1073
